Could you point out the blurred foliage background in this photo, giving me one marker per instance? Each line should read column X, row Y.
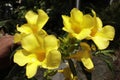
column 12, row 13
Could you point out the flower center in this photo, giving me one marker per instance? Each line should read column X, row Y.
column 94, row 31
column 41, row 55
column 76, row 29
column 34, row 28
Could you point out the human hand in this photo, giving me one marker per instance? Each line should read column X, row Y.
column 6, row 43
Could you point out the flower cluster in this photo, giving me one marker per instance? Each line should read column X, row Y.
column 42, row 50
column 38, row 48
column 85, row 26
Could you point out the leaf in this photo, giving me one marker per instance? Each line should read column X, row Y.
column 2, row 23
column 105, row 52
column 110, row 65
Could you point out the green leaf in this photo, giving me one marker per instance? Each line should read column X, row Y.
column 105, row 52
column 2, row 23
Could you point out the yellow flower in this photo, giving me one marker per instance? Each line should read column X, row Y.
column 35, row 23
column 78, row 25
column 84, row 55
column 38, row 51
column 101, row 35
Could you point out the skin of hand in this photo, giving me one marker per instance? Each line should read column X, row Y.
column 6, row 42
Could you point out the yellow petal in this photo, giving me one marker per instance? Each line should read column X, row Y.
column 87, row 62
column 31, row 69
column 76, row 15
column 97, row 26
column 26, row 28
column 31, row 17
column 51, row 42
column 30, row 43
column 87, row 22
column 42, row 19
column 67, row 24
column 102, row 38
column 83, row 34
column 42, row 33
column 17, row 38
column 40, row 41
column 107, row 32
column 99, row 23
column 53, row 59
column 101, row 42
column 97, row 20
column 21, row 58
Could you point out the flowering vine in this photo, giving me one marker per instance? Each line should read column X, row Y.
column 39, row 49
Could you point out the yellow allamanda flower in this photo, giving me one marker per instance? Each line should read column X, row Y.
column 78, row 25
column 84, row 55
column 35, row 23
column 38, row 51
column 101, row 35
column 38, row 48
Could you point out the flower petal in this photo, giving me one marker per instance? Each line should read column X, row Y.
column 42, row 19
column 97, row 26
column 30, row 43
column 42, row 33
column 102, row 37
column 51, row 42
column 76, row 15
column 87, row 62
column 31, row 17
column 40, row 39
column 107, row 32
column 101, row 42
column 52, row 60
column 99, row 23
column 83, row 34
column 31, row 70
column 87, row 22
column 17, row 38
column 25, row 29
column 67, row 24
column 21, row 58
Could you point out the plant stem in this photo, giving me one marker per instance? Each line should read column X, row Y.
column 72, row 67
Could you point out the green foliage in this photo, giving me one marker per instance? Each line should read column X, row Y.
column 108, row 56
column 67, row 46
column 49, row 73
